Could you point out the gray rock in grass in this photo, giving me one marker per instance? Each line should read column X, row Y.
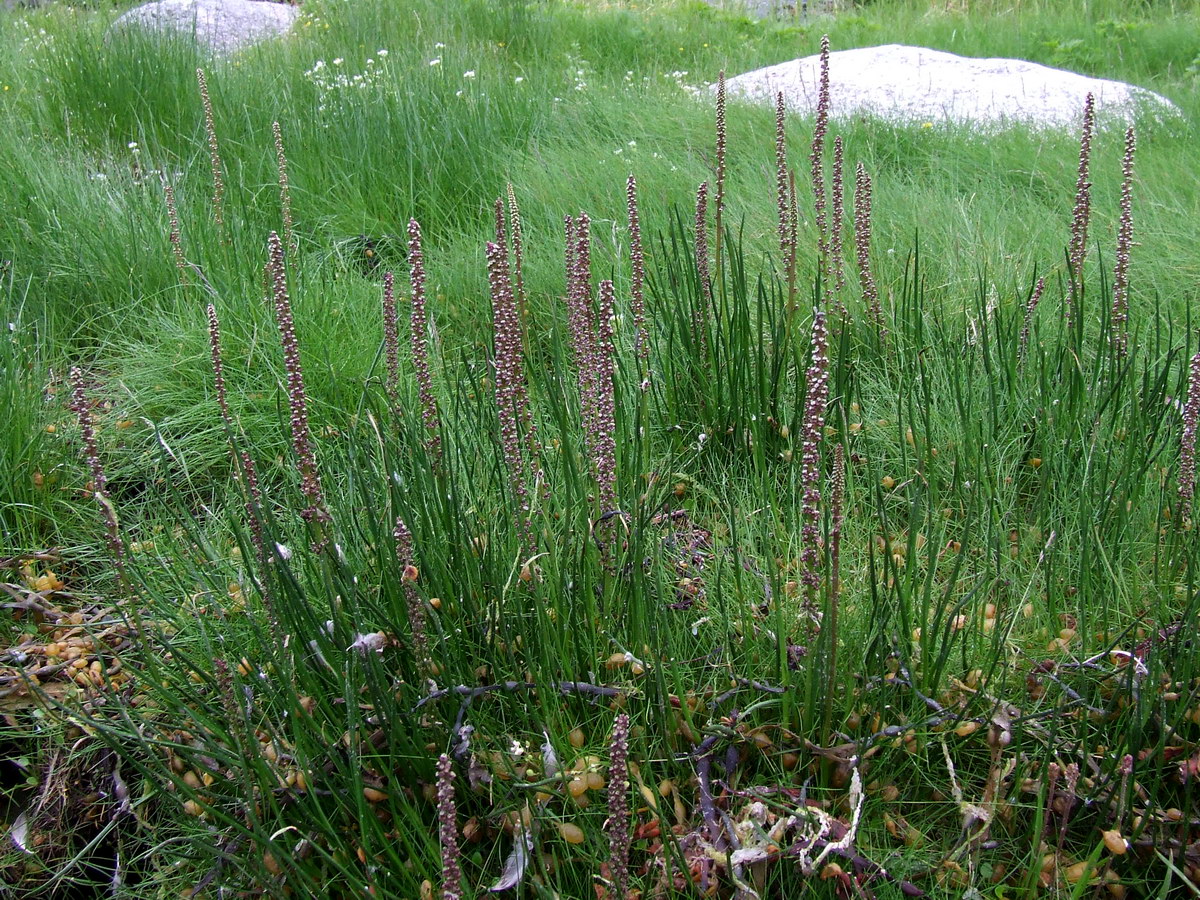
column 918, row 85
column 222, row 26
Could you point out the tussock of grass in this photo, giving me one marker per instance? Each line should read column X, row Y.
column 1012, row 670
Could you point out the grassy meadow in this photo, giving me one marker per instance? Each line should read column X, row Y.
column 369, row 528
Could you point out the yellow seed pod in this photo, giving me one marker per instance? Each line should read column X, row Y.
column 570, row 832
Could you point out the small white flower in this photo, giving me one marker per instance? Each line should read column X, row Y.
column 518, row 79
column 338, row 61
column 436, row 61
column 470, row 73
column 617, row 151
column 381, row 53
column 631, row 144
column 132, row 145
column 438, row 46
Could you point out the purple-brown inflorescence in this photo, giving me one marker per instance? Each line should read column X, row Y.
column 1187, row 442
column 781, row 176
column 509, row 375
column 285, row 191
column 214, row 151
column 1081, row 212
column 174, row 235
column 1120, row 305
column 637, row 284
column 214, row 346
column 702, row 267
column 813, row 431
column 1030, row 308
column 409, row 574
column 580, row 317
column 315, row 513
column 391, row 343
column 719, row 200
column 420, row 342
column 517, row 235
column 817, row 156
column 835, row 225
column 448, row 830
column 862, row 247
column 617, row 823
column 604, row 440
column 99, row 482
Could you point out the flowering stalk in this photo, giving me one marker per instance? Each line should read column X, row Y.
column 785, row 199
column 99, row 482
column 700, row 318
column 214, row 343
column 1120, row 305
column 412, row 600
column 509, row 373
column 419, row 323
column 1030, row 307
column 174, row 235
column 816, row 156
column 637, row 285
column 580, row 319
column 214, row 152
column 285, row 192
column 862, row 246
column 448, row 830
column 315, row 513
column 604, row 440
column 391, row 344
column 720, row 196
column 518, row 252
column 617, row 824
column 1187, row 442
column 813, row 431
column 253, row 506
column 837, row 490
column 835, row 225
column 1082, row 209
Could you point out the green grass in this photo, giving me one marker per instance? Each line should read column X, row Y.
column 1013, row 531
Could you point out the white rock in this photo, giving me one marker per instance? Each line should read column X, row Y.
column 916, row 84
column 222, row 26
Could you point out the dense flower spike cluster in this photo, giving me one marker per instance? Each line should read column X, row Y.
column 817, row 156
column 605, row 442
column 310, row 481
column 214, row 346
column 719, row 200
column 391, row 343
column 835, row 225
column 1187, row 443
column 253, row 510
column 174, row 235
column 1083, row 205
column 1030, row 307
column 781, row 179
column 285, row 191
column 593, row 352
column 813, row 431
column 617, row 823
column 419, row 323
column 862, row 246
column 702, row 267
column 1120, row 305
column 412, row 600
column 448, row 830
column 508, row 354
column 91, row 451
column 518, row 252
column 637, row 284
column 214, row 152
